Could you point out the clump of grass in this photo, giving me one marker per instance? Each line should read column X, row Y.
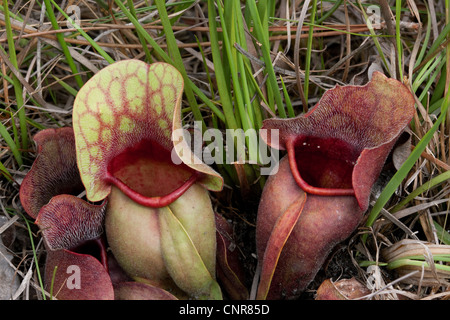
column 242, row 62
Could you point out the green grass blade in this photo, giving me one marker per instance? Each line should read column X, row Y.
column 141, row 38
column 437, row 43
column 262, row 36
column 66, row 86
column 410, row 262
column 256, row 93
column 243, row 62
column 426, row 39
column 17, row 90
column 5, row 172
column 327, row 14
column 440, row 88
column 173, row 50
column 425, row 72
column 164, row 56
column 232, row 63
column 287, row 100
column 140, row 29
column 53, row 282
column 62, row 42
column 436, row 48
column 99, row 49
column 222, row 85
column 419, row 190
column 30, row 234
column 439, row 70
column 259, row 94
column 229, row 62
column 29, row 121
column 205, row 66
column 442, row 234
column 159, row 51
column 11, row 144
column 102, row 4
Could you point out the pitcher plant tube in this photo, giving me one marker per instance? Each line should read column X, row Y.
column 335, row 153
column 159, row 219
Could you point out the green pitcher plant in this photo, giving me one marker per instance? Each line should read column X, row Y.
column 154, row 198
column 159, row 219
